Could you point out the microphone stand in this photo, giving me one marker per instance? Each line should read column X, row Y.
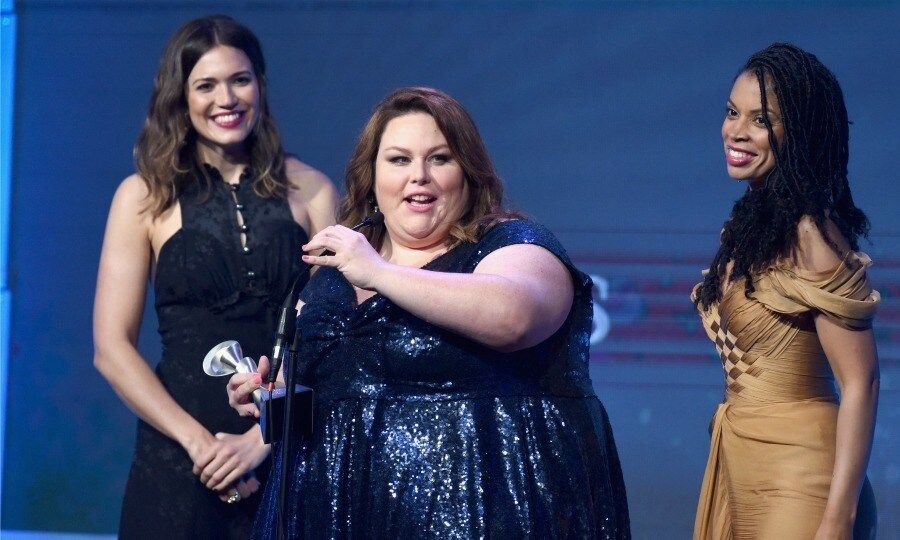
column 288, row 333
column 286, row 358
column 284, row 333
column 289, row 366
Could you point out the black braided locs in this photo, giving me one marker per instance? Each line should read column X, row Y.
column 809, row 178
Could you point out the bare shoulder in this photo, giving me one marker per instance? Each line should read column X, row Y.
column 306, row 180
column 130, row 202
column 132, row 190
column 814, row 253
column 130, row 223
column 313, row 199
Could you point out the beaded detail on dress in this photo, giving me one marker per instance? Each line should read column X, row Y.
column 208, row 289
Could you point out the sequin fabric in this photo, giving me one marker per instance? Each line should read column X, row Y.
column 420, row 433
column 208, row 288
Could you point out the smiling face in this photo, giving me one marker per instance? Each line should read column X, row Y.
column 419, row 186
column 223, row 98
column 748, row 154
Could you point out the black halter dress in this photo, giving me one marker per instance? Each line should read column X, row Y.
column 210, row 287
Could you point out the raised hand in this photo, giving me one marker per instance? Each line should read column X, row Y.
column 351, row 254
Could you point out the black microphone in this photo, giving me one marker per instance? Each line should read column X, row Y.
column 284, row 330
column 372, row 220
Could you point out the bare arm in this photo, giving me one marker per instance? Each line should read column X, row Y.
column 853, row 358
column 518, row 296
column 505, row 304
column 118, row 305
column 121, row 288
column 854, row 361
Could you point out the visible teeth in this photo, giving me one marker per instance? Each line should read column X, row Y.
column 421, row 198
column 736, row 154
column 227, row 118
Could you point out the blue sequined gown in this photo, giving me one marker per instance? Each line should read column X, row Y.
column 421, row 433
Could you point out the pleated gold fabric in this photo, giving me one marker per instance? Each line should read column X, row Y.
column 773, row 438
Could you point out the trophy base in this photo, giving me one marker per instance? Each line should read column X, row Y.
column 271, row 413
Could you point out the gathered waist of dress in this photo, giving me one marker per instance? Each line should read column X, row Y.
column 200, row 334
column 779, row 379
column 775, row 397
column 461, row 389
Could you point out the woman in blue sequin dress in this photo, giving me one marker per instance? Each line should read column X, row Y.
column 448, row 349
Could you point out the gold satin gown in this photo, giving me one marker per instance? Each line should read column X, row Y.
column 773, row 438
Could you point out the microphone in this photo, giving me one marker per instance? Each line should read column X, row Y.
column 372, row 220
column 288, row 313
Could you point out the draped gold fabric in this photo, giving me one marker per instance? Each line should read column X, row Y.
column 773, row 438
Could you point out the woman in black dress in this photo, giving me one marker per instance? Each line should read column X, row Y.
column 449, row 351
column 216, row 214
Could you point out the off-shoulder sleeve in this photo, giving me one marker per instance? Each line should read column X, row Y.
column 843, row 293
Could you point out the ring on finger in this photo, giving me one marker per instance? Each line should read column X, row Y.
column 234, row 496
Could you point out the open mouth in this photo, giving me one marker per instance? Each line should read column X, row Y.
column 230, row 120
column 737, row 157
column 420, row 202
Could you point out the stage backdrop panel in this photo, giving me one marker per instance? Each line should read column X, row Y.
column 603, row 120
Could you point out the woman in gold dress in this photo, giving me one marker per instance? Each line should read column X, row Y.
column 789, row 307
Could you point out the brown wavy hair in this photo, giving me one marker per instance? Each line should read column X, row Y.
column 484, row 208
column 165, row 153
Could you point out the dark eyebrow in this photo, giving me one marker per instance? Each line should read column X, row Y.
column 213, row 79
column 754, row 111
column 430, row 150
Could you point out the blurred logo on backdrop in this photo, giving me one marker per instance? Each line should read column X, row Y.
column 600, row 294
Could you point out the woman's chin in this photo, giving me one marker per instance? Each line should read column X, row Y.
column 738, row 177
column 420, row 238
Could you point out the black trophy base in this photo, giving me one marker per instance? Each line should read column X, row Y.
column 271, row 414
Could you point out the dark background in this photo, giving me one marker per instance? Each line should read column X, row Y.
column 603, row 120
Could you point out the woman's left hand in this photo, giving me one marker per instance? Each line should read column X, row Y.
column 241, row 455
column 245, row 487
column 351, row 254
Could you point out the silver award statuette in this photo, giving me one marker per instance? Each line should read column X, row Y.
column 227, row 358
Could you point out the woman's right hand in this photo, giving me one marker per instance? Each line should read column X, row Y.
column 241, row 387
column 203, row 449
